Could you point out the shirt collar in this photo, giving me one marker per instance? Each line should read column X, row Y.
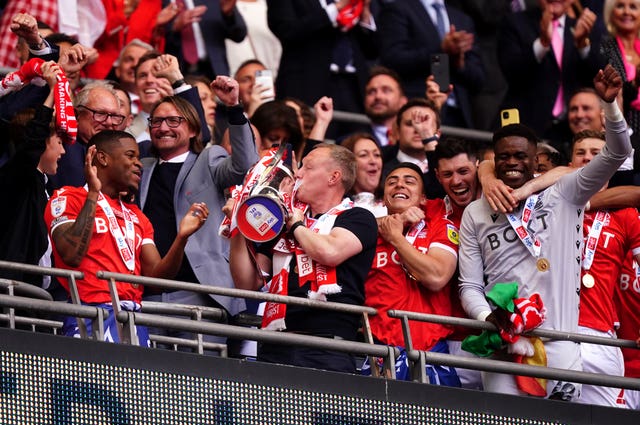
column 176, row 159
column 422, row 163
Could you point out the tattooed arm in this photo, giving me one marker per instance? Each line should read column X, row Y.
column 72, row 239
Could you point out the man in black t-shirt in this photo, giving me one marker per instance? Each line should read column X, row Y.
column 326, row 254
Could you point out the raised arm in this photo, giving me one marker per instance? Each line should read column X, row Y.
column 324, row 114
column 590, row 179
column 616, row 197
column 541, row 182
column 171, row 81
column 243, row 149
column 72, row 239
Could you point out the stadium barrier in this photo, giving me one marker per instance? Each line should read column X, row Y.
column 387, row 353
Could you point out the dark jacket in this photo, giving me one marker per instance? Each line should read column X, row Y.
column 23, row 232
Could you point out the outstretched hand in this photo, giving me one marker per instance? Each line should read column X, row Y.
column 194, row 219
column 608, row 83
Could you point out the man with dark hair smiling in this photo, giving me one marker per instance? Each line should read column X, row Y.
column 416, row 257
column 92, row 228
column 537, row 244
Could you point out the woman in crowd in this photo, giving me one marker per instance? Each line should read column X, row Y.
column 208, row 100
column 366, row 191
column 305, row 115
column 622, row 50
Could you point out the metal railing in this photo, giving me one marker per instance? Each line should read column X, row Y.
column 71, row 276
column 420, row 358
column 162, row 312
column 95, row 314
column 238, row 293
column 128, row 334
column 156, row 315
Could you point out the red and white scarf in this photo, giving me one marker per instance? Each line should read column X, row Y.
column 31, row 72
column 324, row 279
column 239, row 194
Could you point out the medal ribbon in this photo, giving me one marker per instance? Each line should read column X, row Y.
column 125, row 242
column 520, row 226
column 411, row 236
column 600, row 220
column 413, row 233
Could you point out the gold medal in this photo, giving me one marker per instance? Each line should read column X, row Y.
column 542, row 264
column 588, row 281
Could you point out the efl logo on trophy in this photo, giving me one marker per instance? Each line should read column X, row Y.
column 263, row 215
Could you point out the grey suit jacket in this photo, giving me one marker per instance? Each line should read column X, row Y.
column 203, row 178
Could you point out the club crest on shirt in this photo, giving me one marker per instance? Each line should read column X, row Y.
column 58, row 206
column 452, row 234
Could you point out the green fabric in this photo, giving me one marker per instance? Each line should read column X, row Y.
column 503, row 294
column 483, row 345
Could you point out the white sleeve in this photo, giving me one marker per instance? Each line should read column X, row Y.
column 580, row 186
column 471, row 267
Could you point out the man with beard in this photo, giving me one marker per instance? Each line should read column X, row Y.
column 383, row 99
column 185, row 172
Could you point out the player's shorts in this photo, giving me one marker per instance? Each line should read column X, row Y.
column 603, row 360
column 436, row 374
column 70, row 324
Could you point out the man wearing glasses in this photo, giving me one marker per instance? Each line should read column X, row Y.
column 183, row 173
column 97, row 109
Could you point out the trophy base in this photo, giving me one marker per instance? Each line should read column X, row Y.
column 261, row 218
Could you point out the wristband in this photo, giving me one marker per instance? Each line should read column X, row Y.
column 293, row 228
column 179, row 83
column 612, row 111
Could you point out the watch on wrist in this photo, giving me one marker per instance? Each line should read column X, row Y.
column 179, row 83
column 293, row 228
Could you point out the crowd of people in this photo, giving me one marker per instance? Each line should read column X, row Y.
column 134, row 136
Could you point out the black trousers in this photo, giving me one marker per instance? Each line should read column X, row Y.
column 306, row 357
